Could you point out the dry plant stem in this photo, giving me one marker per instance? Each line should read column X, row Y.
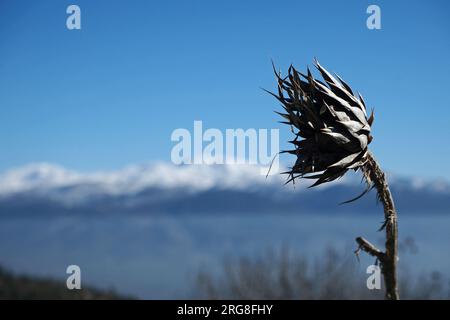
column 387, row 259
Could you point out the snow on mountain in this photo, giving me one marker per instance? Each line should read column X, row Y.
column 131, row 179
column 164, row 187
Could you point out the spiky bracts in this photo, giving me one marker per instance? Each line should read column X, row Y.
column 330, row 123
column 332, row 134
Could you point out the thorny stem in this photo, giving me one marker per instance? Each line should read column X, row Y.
column 388, row 259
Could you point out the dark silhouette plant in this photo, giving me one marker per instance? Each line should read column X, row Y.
column 332, row 134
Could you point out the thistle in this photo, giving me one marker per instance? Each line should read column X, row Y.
column 332, row 133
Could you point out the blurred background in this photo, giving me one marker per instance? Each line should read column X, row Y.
column 86, row 178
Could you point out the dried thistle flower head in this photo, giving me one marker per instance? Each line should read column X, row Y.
column 330, row 123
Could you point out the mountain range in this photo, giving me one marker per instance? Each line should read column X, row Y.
column 45, row 189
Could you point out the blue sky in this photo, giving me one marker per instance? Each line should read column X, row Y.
column 111, row 93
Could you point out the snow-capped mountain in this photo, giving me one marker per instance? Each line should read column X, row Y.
column 165, row 188
column 132, row 179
